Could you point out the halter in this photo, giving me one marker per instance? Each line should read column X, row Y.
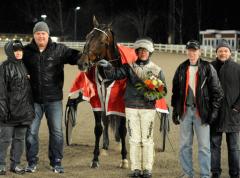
column 101, row 31
column 91, row 64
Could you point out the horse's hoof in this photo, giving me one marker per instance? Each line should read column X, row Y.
column 94, row 164
column 124, row 164
column 103, row 152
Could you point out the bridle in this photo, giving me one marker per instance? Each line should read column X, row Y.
column 98, row 56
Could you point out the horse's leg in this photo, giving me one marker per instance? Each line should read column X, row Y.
column 98, row 132
column 123, row 132
column 105, row 121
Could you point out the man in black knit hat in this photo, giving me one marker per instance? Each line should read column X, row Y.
column 228, row 120
column 45, row 61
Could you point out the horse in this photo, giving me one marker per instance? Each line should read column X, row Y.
column 100, row 44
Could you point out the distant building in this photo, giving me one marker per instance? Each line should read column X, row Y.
column 212, row 37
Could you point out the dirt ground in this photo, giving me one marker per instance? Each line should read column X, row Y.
column 77, row 158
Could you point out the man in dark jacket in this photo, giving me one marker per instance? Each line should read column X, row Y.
column 45, row 61
column 196, row 99
column 229, row 115
column 16, row 106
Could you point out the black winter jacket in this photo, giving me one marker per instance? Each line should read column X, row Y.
column 208, row 90
column 46, row 69
column 134, row 98
column 229, row 76
column 16, row 104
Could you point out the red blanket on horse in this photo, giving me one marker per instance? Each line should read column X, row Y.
column 112, row 99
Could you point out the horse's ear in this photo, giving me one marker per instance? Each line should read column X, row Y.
column 95, row 22
column 110, row 24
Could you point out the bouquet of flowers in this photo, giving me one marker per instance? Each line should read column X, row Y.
column 152, row 86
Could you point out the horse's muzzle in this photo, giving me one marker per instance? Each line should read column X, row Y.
column 83, row 65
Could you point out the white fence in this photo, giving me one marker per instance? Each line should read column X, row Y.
column 207, row 51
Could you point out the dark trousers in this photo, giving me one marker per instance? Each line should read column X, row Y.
column 233, row 153
column 16, row 137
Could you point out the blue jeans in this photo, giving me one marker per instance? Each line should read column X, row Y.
column 53, row 112
column 14, row 136
column 233, row 152
column 190, row 123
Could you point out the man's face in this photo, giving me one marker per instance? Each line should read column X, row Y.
column 193, row 55
column 143, row 54
column 223, row 53
column 41, row 38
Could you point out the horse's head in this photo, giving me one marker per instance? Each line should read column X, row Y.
column 99, row 45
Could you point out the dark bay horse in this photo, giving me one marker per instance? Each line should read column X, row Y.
column 99, row 45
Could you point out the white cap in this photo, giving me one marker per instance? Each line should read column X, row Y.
column 144, row 43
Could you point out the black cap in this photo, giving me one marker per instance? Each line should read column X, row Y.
column 193, row 44
column 223, row 43
column 17, row 45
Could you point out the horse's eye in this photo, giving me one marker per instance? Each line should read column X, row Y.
column 102, row 43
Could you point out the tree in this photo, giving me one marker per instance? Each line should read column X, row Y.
column 141, row 17
column 57, row 17
column 179, row 23
column 199, row 13
column 171, row 22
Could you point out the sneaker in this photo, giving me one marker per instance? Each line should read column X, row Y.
column 215, row 175
column 135, row 173
column 2, row 171
column 147, row 174
column 58, row 169
column 17, row 170
column 185, row 176
column 31, row 168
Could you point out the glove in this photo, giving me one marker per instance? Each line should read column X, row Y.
column 213, row 117
column 104, row 63
column 175, row 117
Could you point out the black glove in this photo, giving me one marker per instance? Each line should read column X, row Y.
column 175, row 117
column 104, row 63
column 213, row 117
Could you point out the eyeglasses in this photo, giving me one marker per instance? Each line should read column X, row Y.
column 142, row 50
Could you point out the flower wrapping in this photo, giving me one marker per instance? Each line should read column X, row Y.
column 152, row 87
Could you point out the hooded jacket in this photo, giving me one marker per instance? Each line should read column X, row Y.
column 16, row 105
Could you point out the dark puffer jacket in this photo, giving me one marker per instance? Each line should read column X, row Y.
column 46, row 69
column 209, row 92
column 229, row 76
column 16, row 104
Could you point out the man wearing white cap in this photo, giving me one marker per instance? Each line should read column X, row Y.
column 45, row 61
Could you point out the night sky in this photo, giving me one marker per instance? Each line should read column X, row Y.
column 19, row 16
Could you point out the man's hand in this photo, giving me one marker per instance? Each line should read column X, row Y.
column 175, row 117
column 104, row 63
column 213, row 117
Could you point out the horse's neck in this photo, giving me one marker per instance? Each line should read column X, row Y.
column 113, row 56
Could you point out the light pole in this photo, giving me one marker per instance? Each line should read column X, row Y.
column 44, row 16
column 75, row 22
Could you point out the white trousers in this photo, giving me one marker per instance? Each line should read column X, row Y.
column 140, row 124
